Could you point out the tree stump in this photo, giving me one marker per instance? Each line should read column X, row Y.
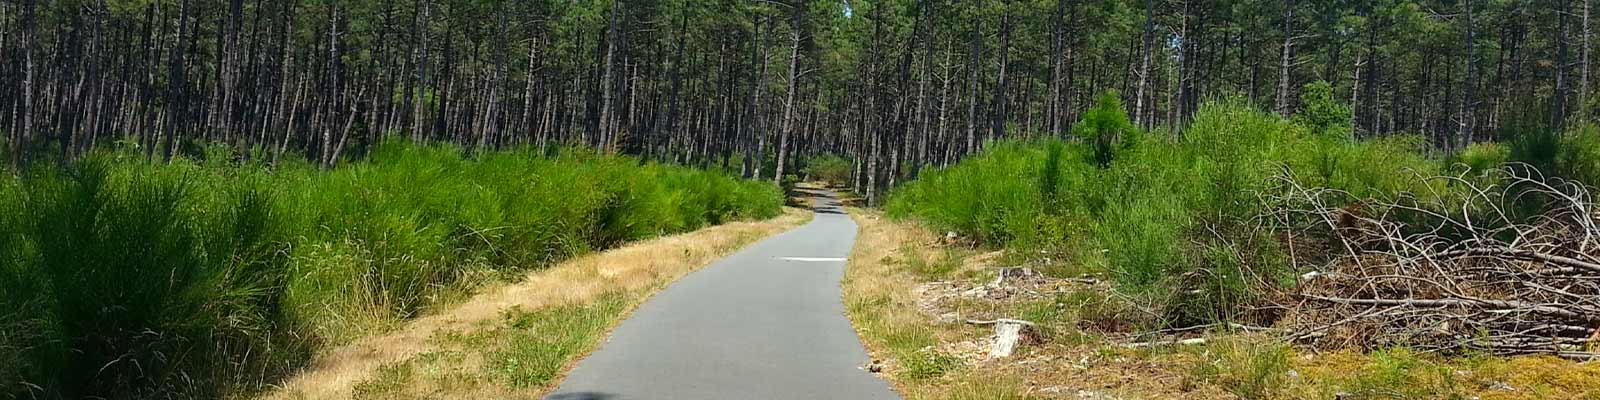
column 1009, row 333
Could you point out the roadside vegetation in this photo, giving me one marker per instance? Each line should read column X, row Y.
column 1255, row 240
column 203, row 278
column 906, row 292
column 515, row 340
column 1184, row 223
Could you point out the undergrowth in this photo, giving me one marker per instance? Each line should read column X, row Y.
column 202, row 278
column 1173, row 219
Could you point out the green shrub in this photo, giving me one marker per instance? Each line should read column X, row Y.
column 994, row 197
column 788, row 181
column 1480, row 158
column 926, row 364
column 205, row 279
column 1579, row 155
column 1245, row 369
column 1173, row 220
column 26, row 351
column 1322, row 113
column 1106, row 127
column 1533, row 144
column 159, row 270
column 830, row 168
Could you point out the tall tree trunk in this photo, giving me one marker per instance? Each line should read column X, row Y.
column 919, row 157
column 974, row 73
column 229, row 71
column 762, row 122
column 23, row 138
column 1281, row 104
column 606, row 133
column 788, row 102
column 753, row 112
column 420, row 61
column 331, row 89
column 1469, row 83
column 177, row 84
column 944, row 102
column 1583, row 72
column 1146, row 47
column 1001, row 99
column 492, row 126
column 529, row 125
column 1053, row 106
column 1558, row 108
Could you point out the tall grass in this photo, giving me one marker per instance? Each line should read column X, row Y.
column 1578, row 155
column 201, row 279
column 1170, row 218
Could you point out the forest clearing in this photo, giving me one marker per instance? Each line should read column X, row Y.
column 1258, row 199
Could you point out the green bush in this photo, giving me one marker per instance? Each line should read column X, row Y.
column 830, row 168
column 128, row 279
column 1480, row 164
column 1172, row 220
column 1480, row 158
column 1106, row 127
column 1323, row 114
column 1532, row 144
column 994, row 197
column 1579, row 155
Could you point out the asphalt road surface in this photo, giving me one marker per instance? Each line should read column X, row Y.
column 764, row 323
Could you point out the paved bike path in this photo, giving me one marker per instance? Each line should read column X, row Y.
column 764, row 323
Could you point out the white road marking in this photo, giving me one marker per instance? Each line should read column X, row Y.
column 813, row 259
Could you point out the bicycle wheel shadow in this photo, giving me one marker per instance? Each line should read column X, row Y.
column 582, row 396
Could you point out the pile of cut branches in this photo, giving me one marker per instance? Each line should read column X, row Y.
column 1509, row 267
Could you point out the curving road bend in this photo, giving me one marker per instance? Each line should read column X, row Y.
column 764, row 323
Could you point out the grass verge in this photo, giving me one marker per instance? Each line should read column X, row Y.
column 517, row 340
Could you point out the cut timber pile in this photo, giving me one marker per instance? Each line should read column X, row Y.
column 1452, row 274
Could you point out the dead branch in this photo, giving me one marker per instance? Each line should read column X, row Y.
column 1448, row 270
column 1157, row 343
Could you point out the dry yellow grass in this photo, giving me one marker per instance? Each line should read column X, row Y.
column 920, row 354
column 635, row 270
column 924, row 358
column 880, row 299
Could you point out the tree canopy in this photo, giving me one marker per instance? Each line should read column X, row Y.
column 754, row 86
